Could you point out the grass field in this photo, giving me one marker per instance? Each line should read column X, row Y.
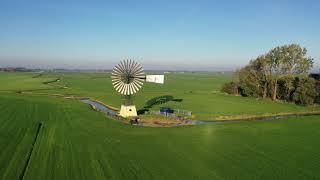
column 75, row 142
column 199, row 92
column 22, row 81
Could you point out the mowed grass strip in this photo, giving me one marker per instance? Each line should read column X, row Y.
column 78, row 143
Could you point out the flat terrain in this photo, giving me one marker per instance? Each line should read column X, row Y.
column 22, row 81
column 78, row 143
column 198, row 92
column 75, row 142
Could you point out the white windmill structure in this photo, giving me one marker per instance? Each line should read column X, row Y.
column 127, row 78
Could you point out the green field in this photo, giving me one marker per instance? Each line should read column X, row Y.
column 200, row 93
column 75, row 142
column 22, row 81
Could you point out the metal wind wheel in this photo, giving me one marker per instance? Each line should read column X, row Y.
column 127, row 77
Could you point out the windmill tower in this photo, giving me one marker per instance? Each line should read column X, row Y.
column 127, row 78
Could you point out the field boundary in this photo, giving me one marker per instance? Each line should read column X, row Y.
column 267, row 115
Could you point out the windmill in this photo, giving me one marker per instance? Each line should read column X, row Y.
column 127, row 78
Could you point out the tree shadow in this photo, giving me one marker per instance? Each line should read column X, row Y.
column 156, row 101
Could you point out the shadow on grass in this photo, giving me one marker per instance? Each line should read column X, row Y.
column 156, row 101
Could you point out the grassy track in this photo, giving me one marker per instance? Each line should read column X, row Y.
column 77, row 143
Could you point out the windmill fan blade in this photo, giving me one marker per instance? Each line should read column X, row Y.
column 127, row 77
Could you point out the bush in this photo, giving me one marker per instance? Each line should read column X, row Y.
column 230, row 88
column 305, row 93
column 317, row 100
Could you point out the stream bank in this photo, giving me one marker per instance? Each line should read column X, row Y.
column 114, row 113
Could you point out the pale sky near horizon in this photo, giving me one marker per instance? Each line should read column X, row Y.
column 158, row 33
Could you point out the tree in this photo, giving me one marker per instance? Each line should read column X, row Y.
column 252, row 78
column 272, row 74
column 286, row 61
column 260, row 66
column 285, row 88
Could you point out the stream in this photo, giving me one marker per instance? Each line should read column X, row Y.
column 112, row 112
column 100, row 106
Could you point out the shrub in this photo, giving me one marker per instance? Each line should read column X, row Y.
column 305, row 93
column 317, row 100
column 230, row 88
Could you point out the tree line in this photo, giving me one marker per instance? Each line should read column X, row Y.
column 280, row 74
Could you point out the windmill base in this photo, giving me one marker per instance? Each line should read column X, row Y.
column 128, row 111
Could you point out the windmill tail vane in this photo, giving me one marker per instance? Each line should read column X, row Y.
column 159, row 79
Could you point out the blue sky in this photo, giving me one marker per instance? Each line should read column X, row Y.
column 203, row 34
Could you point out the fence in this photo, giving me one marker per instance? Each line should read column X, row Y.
column 177, row 113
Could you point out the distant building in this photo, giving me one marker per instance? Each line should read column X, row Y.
column 15, row 69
